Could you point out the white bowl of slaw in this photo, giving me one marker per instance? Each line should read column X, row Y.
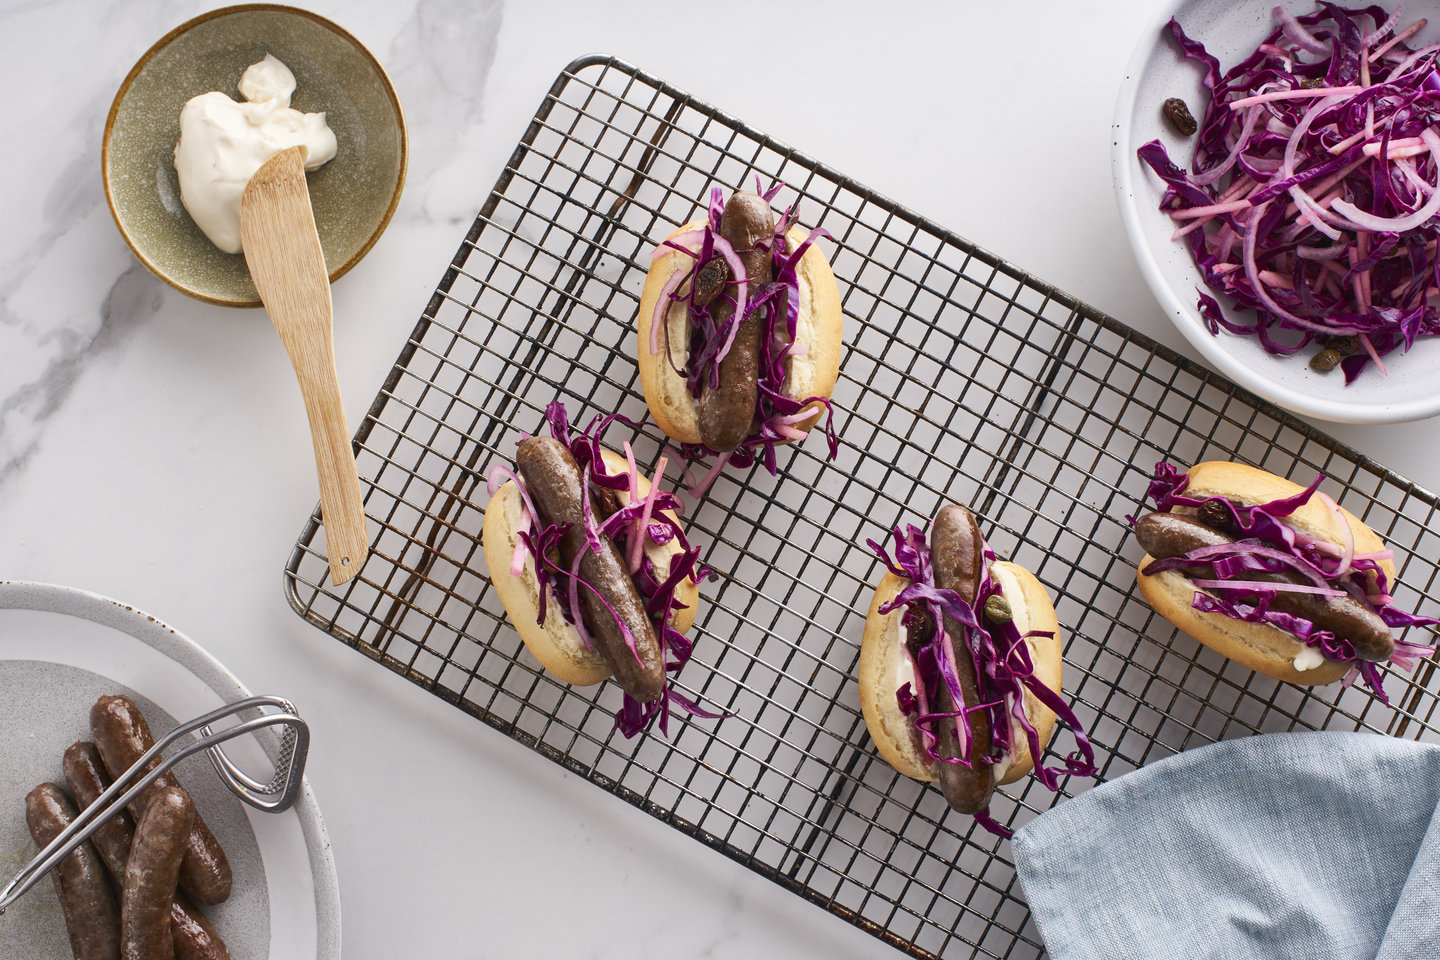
column 1410, row 390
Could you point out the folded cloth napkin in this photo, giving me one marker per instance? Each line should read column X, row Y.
column 1271, row 847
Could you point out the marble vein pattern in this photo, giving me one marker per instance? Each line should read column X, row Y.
column 60, row 254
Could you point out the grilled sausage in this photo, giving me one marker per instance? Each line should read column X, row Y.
column 957, row 553
column 192, row 934
column 553, row 478
column 122, row 736
column 727, row 411
column 151, row 875
column 194, row 937
column 85, row 773
column 1165, row 535
column 90, row 914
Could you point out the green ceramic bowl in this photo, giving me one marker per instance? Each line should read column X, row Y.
column 354, row 194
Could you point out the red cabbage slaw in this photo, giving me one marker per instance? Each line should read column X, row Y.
column 776, row 414
column 640, row 522
column 1314, row 189
column 1267, row 543
column 1004, row 669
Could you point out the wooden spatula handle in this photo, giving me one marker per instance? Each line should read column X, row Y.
column 277, row 228
column 340, row 502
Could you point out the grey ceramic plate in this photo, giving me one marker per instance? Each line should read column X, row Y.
column 60, row 649
column 353, row 195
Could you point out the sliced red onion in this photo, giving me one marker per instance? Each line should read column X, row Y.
column 703, row 484
column 1210, row 176
column 1320, row 253
column 1317, row 217
column 680, row 243
column 737, row 271
column 662, row 307
column 1385, row 27
column 517, row 558
column 577, row 617
column 1293, row 29
column 788, row 432
column 1397, row 224
column 1252, row 230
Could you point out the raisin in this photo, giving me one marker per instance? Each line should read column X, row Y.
column 1179, row 116
column 1215, row 515
column 710, row 280
column 919, row 628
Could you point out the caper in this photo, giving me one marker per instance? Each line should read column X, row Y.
column 997, row 609
column 1326, row 360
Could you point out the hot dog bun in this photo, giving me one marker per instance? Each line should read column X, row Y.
column 556, row 644
column 811, row 374
column 1261, row 647
column 883, row 669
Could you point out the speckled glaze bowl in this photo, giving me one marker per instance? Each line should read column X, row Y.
column 1231, row 29
column 60, row 650
column 354, row 194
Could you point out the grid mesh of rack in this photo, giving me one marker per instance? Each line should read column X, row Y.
column 963, row 379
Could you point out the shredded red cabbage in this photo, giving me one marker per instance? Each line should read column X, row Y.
column 1313, row 194
column 777, row 302
column 645, row 519
column 1266, row 543
column 1003, row 669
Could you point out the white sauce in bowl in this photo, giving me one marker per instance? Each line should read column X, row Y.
column 224, row 141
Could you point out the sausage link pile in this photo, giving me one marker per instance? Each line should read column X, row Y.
column 152, row 852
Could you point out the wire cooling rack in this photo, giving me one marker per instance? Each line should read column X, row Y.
column 964, row 379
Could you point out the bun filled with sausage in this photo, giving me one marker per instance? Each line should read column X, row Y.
column 593, row 568
column 739, row 331
column 960, row 667
column 1273, row 575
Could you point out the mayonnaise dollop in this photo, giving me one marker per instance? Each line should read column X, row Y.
column 1308, row 658
column 224, row 141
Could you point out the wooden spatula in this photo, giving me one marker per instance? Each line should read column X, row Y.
column 282, row 249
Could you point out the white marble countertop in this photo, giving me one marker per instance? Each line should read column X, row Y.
column 152, row 448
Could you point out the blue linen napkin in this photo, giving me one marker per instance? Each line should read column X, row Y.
column 1271, row 847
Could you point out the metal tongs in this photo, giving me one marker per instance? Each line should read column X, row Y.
column 276, row 795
